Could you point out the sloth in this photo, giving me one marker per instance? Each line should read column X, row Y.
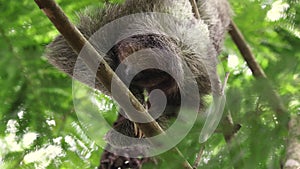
column 205, row 36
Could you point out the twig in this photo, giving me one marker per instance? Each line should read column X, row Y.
column 272, row 97
column 198, row 157
column 229, row 129
column 225, row 82
column 77, row 41
column 245, row 50
column 195, row 9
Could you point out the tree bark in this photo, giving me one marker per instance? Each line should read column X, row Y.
column 293, row 146
column 267, row 89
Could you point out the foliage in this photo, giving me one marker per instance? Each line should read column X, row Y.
column 39, row 127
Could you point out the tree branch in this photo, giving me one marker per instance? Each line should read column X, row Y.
column 245, row 50
column 273, row 97
column 77, row 41
column 293, row 148
column 198, row 157
column 195, row 9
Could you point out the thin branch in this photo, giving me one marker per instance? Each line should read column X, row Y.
column 229, row 129
column 77, row 41
column 195, row 9
column 272, row 97
column 198, row 157
column 225, row 82
column 245, row 50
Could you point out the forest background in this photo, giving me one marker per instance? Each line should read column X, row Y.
column 39, row 127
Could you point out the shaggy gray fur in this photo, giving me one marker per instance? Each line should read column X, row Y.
column 215, row 18
column 199, row 54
